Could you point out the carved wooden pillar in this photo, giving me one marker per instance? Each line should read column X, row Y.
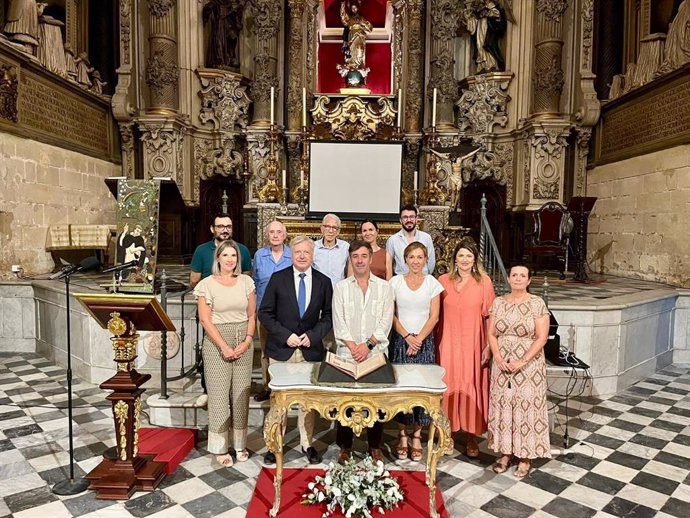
column 295, row 64
column 444, row 22
column 267, row 20
column 548, row 74
column 162, row 70
column 413, row 43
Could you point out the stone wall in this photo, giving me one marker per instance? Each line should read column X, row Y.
column 44, row 185
column 639, row 226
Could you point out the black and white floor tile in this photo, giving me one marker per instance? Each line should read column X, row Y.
column 631, row 458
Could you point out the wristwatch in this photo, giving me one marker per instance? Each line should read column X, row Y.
column 370, row 344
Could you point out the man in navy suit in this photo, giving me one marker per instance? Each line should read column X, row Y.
column 296, row 311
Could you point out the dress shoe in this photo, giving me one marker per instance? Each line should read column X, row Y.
column 263, row 395
column 269, row 458
column 377, row 454
column 313, row 456
column 344, row 456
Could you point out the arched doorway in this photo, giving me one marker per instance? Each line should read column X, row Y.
column 211, row 202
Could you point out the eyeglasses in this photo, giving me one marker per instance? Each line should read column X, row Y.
column 223, row 227
column 408, row 218
column 330, row 227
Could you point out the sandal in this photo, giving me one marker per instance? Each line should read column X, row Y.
column 402, row 451
column 242, row 456
column 416, row 453
column 501, row 465
column 225, row 460
column 521, row 471
column 472, row 450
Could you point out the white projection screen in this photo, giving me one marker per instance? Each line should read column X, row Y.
column 355, row 179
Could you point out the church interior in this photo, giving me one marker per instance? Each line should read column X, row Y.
column 555, row 132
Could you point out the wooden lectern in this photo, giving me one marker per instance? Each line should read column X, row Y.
column 123, row 316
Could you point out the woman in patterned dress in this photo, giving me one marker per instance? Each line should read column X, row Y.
column 518, row 420
column 227, row 309
column 417, row 303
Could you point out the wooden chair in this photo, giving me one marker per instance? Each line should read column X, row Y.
column 550, row 234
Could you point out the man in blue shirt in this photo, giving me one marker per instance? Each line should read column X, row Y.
column 202, row 260
column 271, row 258
column 331, row 255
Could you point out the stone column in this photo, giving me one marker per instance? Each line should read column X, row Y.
column 444, row 18
column 267, row 19
column 162, row 69
column 295, row 64
column 548, row 74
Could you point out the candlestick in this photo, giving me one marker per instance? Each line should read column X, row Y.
column 272, row 106
column 433, row 111
column 284, row 180
column 414, row 184
column 304, row 107
column 301, row 179
column 399, row 108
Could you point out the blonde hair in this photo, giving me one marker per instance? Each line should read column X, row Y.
column 215, row 269
column 302, row 239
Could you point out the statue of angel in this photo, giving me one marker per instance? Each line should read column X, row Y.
column 486, row 21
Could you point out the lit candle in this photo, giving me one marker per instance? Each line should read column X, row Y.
column 301, row 179
column 304, row 107
column 272, row 107
column 433, row 111
column 284, row 180
column 414, row 185
column 399, row 108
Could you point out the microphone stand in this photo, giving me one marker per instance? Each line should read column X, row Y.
column 72, row 486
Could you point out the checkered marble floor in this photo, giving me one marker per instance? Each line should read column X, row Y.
column 631, row 457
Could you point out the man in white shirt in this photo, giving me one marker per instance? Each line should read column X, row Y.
column 331, row 254
column 362, row 309
column 409, row 233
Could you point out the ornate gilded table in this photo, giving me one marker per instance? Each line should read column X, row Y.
column 358, row 407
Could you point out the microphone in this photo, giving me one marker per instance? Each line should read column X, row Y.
column 88, row 264
column 122, row 266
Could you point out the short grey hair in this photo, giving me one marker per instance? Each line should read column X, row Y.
column 330, row 216
column 215, row 269
column 282, row 225
column 301, row 239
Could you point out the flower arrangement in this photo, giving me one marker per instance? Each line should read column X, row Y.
column 356, row 488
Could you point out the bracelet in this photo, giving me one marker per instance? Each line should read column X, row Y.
column 250, row 336
column 408, row 334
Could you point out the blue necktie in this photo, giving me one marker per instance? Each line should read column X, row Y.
column 302, row 295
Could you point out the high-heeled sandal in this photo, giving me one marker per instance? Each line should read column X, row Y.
column 416, row 453
column 225, row 460
column 501, row 465
column 521, row 471
column 402, row 451
column 242, row 456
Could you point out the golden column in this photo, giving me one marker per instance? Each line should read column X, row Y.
column 162, row 70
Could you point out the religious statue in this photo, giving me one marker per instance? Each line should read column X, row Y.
column 356, row 28
column 224, row 20
column 50, row 50
column 457, row 155
column 70, row 63
column 677, row 47
column 486, row 21
column 84, row 68
column 98, row 84
column 22, row 23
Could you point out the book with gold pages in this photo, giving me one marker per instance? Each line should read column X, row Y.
column 336, row 370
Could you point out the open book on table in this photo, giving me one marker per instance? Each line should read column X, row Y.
column 352, row 368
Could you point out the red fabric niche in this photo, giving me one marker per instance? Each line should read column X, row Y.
column 372, row 10
column 378, row 60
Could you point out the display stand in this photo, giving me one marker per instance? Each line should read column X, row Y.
column 580, row 208
column 123, row 316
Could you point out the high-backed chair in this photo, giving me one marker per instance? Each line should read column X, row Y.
column 550, row 234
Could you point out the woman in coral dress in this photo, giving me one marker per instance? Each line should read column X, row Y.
column 463, row 348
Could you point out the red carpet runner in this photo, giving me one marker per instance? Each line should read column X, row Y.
column 169, row 445
column 415, row 504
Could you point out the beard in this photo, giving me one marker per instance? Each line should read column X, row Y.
column 409, row 226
